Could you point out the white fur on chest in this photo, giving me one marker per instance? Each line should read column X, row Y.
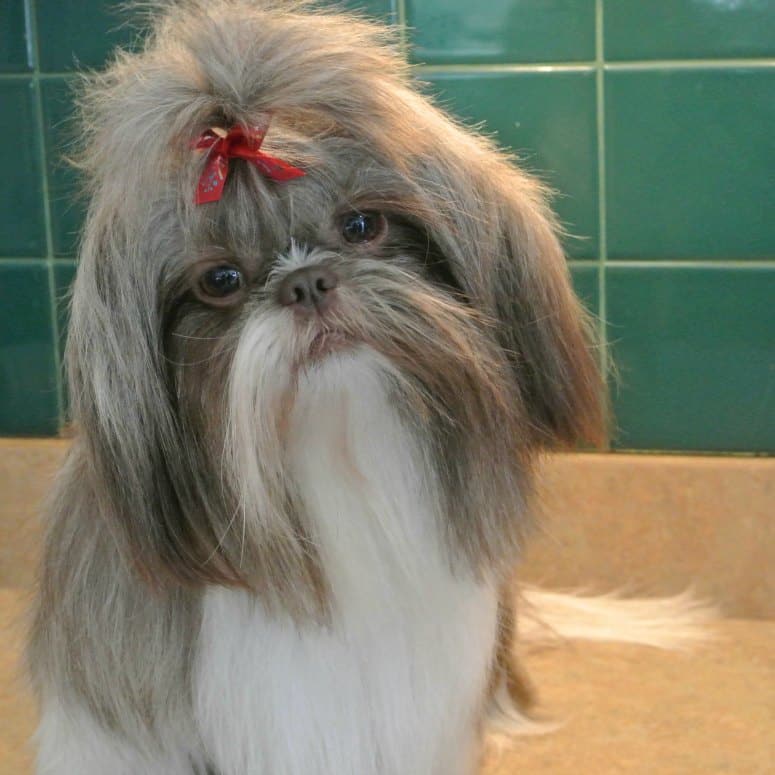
column 394, row 686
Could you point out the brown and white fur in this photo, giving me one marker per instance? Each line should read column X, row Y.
column 281, row 536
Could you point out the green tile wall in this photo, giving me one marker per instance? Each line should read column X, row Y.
column 654, row 121
column 21, row 200
column 550, row 120
column 461, row 32
column 14, row 54
column 684, row 29
column 694, row 352
column 76, row 34
column 29, row 400
column 691, row 176
column 66, row 207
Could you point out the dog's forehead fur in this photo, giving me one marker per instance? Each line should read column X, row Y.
column 231, row 62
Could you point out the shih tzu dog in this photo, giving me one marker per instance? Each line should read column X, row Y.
column 319, row 334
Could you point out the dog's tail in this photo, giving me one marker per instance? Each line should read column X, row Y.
column 546, row 618
column 672, row 623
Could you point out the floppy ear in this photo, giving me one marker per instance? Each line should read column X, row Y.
column 493, row 224
column 146, row 465
column 542, row 326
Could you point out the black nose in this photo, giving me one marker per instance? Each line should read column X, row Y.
column 308, row 288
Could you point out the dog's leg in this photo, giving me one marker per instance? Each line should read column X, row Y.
column 72, row 742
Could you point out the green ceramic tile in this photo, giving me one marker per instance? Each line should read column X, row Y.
column 28, row 387
column 458, row 31
column 67, row 209
column 695, row 350
column 549, row 120
column 22, row 229
column 74, row 34
column 586, row 285
column 681, row 29
column 689, row 163
column 14, row 53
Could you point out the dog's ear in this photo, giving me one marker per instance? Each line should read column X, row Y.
column 145, row 464
column 494, row 226
column 544, row 329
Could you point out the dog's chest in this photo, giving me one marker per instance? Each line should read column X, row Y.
column 395, row 684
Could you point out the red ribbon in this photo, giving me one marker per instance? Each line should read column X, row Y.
column 237, row 143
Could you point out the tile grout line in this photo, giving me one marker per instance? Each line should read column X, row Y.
column 602, row 309
column 25, row 260
column 687, row 263
column 33, row 49
column 29, row 73
column 690, row 64
column 542, row 67
column 527, row 67
column 40, row 259
column 589, row 66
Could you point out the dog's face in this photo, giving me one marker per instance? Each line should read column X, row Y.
column 407, row 239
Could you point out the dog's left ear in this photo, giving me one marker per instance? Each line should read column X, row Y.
column 548, row 335
column 500, row 240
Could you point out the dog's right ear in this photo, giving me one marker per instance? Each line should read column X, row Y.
column 146, row 468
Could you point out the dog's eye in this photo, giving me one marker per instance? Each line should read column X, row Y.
column 221, row 281
column 363, row 227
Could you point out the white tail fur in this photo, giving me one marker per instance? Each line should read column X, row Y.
column 550, row 618
column 671, row 623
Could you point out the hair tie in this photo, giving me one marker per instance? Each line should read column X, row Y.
column 237, row 143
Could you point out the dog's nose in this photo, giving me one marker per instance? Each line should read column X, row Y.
column 309, row 288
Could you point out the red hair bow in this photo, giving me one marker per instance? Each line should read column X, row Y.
column 237, row 143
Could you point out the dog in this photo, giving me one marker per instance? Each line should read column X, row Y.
column 320, row 334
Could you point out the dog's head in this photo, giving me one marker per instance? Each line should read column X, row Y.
column 406, row 237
